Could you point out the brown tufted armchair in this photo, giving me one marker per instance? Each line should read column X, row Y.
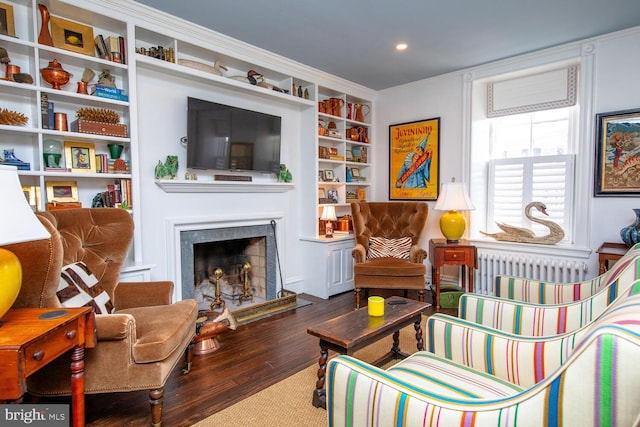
column 141, row 342
column 388, row 220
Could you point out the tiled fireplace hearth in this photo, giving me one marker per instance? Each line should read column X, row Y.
column 200, row 245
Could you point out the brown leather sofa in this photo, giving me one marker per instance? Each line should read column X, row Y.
column 388, row 220
column 141, row 342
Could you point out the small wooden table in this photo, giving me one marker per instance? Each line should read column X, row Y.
column 30, row 338
column 353, row 331
column 610, row 252
column 461, row 253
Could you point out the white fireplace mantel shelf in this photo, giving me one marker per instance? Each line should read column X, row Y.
column 193, row 186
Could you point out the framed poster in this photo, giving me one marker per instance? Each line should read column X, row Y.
column 414, row 157
column 617, row 156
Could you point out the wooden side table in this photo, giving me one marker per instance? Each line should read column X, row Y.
column 442, row 253
column 610, row 252
column 30, row 338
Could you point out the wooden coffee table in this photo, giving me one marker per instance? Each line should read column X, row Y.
column 353, row 331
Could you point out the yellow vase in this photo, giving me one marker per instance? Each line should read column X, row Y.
column 10, row 280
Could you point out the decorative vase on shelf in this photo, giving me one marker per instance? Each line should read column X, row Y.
column 631, row 233
column 45, row 36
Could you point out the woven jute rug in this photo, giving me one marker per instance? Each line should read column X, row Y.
column 288, row 403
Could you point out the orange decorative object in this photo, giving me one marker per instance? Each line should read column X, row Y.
column 45, row 35
column 55, row 75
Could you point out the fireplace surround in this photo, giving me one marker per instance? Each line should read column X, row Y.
column 184, row 233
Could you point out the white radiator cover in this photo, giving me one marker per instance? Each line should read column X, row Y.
column 552, row 269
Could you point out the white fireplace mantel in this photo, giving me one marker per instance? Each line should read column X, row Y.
column 194, row 186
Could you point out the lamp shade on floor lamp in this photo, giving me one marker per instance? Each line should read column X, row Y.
column 17, row 224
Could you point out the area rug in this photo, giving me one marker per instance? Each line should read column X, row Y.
column 288, row 403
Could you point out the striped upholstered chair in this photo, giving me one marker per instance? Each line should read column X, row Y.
column 532, row 319
column 541, row 292
column 475, row 377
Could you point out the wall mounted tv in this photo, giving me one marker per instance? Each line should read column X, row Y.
column 222, row 137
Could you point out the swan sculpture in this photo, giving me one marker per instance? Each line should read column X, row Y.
column 511, row 233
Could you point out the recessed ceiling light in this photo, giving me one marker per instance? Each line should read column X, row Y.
column 401, row 46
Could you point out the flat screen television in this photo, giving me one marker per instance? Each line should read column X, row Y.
column 222, row 137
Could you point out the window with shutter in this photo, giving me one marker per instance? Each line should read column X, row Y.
column 515, row 182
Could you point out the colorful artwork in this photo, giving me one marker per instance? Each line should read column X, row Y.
column 414, row 151
column 618, row 147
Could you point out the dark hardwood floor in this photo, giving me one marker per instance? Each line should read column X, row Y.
column 250, row 359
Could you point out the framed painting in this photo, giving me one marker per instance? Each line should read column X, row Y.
column 7, row 24
column 414, row 158
column 72, row 36
column 62, row 191
column 617, row 157
column 80, row 156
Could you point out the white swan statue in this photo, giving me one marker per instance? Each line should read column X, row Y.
column 511, row 233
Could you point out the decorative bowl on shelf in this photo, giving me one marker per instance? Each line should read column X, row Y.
column 55, row 75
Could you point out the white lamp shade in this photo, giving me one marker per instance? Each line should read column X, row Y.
column 453, row 197
column 328, row 214
column 18, row 223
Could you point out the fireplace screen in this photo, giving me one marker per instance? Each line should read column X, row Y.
column 241, row 261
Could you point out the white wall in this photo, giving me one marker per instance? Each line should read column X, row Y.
column 616, row 87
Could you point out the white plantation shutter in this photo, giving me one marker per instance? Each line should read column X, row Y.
column 516, row 182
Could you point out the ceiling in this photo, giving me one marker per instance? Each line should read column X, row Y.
column 355, row 39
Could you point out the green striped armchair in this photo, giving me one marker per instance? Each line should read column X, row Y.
column 478, row 377
column 540, row 292
column 532, row 319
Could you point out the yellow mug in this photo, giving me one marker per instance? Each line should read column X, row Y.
column 375, row 306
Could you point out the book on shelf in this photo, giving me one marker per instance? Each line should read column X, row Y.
column 113, row 44
column 50, row 115
column 44, row 110
column 123, row 49
column 109, row 92
column 101, row 47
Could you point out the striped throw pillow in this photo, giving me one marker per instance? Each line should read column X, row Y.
column 79, row 287
column 379, row 247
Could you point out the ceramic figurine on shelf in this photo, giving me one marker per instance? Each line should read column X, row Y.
column 168, row 170
column 106, row 79
column 284, row 175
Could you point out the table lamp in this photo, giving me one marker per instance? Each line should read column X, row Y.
column 329, row 215
column 453, row 198
column 19, row 224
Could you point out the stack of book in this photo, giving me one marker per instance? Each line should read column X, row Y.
column 118, row 195
column 112, row 48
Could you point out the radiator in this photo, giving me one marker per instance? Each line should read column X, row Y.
column 493, row 263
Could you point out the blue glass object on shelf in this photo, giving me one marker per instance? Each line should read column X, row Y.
column 10, row 159
column 349, row 176
column 631, row 233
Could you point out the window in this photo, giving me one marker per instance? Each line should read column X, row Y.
column 523, row 148
column 528, row 163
